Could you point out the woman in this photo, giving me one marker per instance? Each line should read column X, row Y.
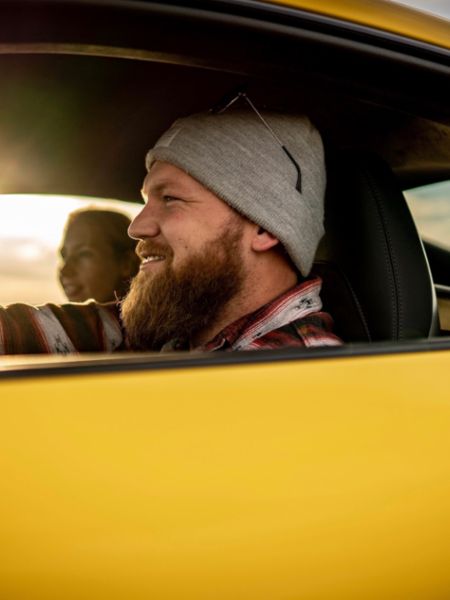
column 98, row 256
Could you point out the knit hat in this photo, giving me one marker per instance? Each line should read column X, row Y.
column 236, row 157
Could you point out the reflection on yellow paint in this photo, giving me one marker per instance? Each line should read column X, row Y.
column 381, row 14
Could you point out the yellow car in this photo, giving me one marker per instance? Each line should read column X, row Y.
column 312, row 474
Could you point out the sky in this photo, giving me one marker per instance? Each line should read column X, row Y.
column 430, row 206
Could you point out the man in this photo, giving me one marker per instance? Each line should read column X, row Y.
column 233, row 217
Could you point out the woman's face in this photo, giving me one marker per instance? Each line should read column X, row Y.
column 89, row 267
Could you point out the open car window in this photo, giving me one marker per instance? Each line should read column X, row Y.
column 81, row 108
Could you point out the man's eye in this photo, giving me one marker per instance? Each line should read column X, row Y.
column 168, row 198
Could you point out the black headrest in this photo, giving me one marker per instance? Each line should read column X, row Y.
column 376, row 279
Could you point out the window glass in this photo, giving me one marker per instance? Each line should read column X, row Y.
column 430, row 206
column 31, row 230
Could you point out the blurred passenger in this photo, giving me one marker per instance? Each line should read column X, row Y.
column 98, row 256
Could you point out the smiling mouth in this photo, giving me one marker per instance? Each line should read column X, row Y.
column 74, row 293
column 152, row 258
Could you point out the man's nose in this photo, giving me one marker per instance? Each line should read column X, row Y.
column 144, row 225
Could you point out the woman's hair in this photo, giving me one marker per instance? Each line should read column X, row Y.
column 113, row 224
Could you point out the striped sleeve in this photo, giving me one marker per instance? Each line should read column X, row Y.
column 65, row 329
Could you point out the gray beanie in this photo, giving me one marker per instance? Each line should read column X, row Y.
column 236, row 157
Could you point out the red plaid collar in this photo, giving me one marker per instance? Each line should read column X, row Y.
column 296, row 303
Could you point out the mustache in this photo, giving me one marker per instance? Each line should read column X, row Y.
column 146, row 247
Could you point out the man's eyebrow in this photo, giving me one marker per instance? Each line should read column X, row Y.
column 156, row 188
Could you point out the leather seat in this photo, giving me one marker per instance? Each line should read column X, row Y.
column 377, row 283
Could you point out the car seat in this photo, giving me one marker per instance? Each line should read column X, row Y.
column 377, row 284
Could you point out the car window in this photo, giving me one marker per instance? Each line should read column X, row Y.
column 430, row 207
column 30, row 239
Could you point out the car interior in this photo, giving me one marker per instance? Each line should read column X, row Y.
column 82, row 101
column 372, row 260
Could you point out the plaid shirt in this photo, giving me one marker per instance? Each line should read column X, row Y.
column 293, row 319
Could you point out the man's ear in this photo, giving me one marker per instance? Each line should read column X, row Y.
column 263, row 240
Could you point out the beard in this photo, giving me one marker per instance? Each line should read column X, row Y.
column 180, row 303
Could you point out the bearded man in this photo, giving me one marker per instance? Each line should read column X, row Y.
column 232, row 218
